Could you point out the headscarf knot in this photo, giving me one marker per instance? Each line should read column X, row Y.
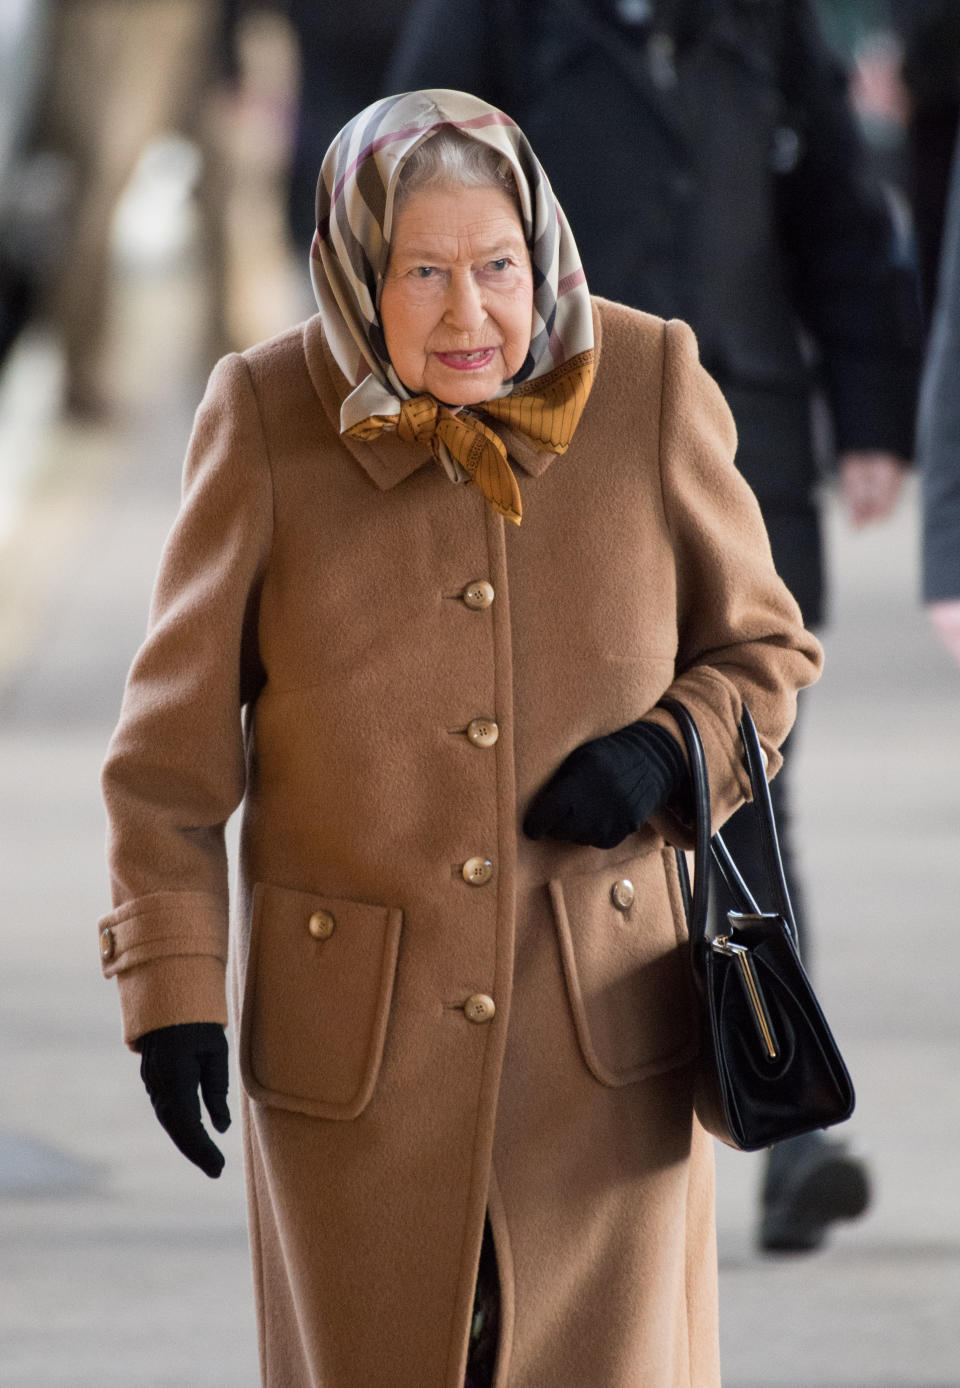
column 455, row 438
column 417, row 422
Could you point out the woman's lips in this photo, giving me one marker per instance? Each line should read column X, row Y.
column 467, row 361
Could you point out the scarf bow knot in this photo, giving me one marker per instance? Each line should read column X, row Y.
column 547, row 410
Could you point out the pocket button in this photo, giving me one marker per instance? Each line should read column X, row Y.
column 622, row 894
column 321, row 925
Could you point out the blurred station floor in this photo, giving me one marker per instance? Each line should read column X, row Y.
column 120, row 1264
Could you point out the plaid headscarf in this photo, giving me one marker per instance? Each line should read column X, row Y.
column 348, row 260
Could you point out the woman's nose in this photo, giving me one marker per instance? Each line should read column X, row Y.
column 464, row 309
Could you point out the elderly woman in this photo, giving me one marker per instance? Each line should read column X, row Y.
column 442, row 550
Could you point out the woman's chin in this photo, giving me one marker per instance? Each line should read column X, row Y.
column 464, row 389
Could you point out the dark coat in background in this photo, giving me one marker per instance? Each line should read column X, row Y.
column 710, row 168
column 344, row 54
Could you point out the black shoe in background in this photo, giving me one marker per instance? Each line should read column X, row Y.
column 811, row 1182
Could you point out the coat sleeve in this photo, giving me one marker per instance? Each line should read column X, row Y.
column 740, row 634
column 174, row 771
column 938, row 430
column 855, row 286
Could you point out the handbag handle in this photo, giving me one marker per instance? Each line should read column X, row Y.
column 763, row 807
column 707, row 846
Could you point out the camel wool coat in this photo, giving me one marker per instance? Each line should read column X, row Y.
column 435, row 1016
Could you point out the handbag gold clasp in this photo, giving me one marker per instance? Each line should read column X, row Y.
column 722, row 944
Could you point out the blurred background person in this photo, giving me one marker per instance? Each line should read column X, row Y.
column 32, row 189
column 707, row 154
column 938, row 439
column 904, row 61
column 116, row 75
column 930, row 34
column 344, row 55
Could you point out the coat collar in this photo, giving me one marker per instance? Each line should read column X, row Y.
column 389, row 460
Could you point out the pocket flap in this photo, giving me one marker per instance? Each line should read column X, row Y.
column 319, row 983
column 623, row 944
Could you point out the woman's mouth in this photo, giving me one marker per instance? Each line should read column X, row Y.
column 467, row 361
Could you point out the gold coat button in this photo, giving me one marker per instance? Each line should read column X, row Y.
column 622, row 894
column 483, row 732
column 108, row 944
column 477, row 871
column 321, row 925
column 480, row 1008
column 478, row 594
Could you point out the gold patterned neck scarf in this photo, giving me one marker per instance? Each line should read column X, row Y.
column 348, row 259
column 547, row 410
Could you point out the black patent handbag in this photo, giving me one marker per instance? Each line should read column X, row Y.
column 769, row 1067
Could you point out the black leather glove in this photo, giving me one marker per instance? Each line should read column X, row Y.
column 607, row 788
column 174, row 1063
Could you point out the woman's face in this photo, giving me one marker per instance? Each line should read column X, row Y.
column 457, row 298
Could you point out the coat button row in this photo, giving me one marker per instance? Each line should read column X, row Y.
column 480, row 1008
column 477, row 871
column 483, row 732
column 478, row 594
column 622, row 894
column 321, row 925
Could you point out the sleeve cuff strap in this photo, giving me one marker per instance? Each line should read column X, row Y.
column 154, row 928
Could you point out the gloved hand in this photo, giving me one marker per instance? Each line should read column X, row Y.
column 174, row 1062
column 605, row 789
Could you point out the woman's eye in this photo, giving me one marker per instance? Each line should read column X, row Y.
column 500, row 264
column 424, row 272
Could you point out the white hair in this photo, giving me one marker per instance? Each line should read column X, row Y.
column 452, row 160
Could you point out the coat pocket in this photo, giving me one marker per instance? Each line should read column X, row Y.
column 316, row 1000
column 624, row 949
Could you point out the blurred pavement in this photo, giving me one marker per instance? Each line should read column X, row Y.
column 120, row 1264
